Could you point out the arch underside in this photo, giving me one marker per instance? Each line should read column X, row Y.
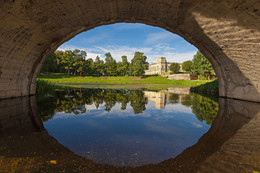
column 226, row 32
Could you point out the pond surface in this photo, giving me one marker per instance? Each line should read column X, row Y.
column 111, row 130
column 124, row 127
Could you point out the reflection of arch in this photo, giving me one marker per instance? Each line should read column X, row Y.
column 227, row 33
column 234, row 138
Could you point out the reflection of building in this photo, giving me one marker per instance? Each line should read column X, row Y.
column 179, row 90
column 163, row 97
column 159, row 98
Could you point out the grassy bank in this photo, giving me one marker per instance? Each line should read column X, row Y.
column 210, row 87
column 44, row 86
column 64, row 79
column 47, row 88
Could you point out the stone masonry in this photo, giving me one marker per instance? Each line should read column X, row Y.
column 183, row 77
column 227, row 32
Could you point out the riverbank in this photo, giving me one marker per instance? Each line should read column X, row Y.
column 211, row 87
column 119, row 80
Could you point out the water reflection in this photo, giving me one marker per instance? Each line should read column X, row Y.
column 122, row 127
column 77, row 101
column 231, row 145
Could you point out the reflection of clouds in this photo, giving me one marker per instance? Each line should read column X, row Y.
column 177, row 108
column 197, row 125
column 92, row 107
column 116, row 112
column 163, row 128
column 63, row 115
column 170, row 111
column 171, row 108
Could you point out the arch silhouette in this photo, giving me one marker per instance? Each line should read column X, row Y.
column 226, row 32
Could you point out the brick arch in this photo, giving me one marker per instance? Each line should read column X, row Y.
column 226, row 32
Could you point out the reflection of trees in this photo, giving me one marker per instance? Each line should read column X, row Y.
column 137, row 101
column 75, row 101
column 110, row 100
column 46, row 107
column 204, row 108
column 121, row 98
column 174, row 98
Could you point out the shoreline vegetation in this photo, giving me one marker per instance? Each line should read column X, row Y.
column 75, row 63
column 72, row 69
column 149, row 82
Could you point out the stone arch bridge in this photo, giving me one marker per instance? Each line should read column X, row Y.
column 226, row 31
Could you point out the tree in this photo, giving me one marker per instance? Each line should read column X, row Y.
column 202, row 66
column 175, row 68
column 67, row 60
column 187, row 66
column 98, row 66
column 123, row 67
column 110, row 65
column 89, row 66
column 138, row 64
column 60, row 68
column 50, row 64
column 79, row 61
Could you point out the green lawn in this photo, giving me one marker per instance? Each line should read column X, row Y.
column 65, row 79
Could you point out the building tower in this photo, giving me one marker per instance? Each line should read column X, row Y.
column 161, row 65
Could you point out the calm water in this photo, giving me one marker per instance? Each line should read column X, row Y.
column 168, row 131
column 127, row 127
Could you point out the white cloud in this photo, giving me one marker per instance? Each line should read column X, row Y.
column 159, row 37
column 153, row 52
column 174, row 56
column 128, row 26
column 97, row 38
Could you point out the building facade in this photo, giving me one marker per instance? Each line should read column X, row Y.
column 160, row 67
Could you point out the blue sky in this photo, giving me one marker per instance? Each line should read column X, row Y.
column 127, row 38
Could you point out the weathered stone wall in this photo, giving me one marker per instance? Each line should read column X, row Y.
column 226, row 32
column 183, row 77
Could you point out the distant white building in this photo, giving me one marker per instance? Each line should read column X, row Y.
column 160, row 67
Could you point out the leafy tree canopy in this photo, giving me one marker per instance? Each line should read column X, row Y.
column 138, row 64
column 175, row 68
column 110, row 65
column 202, row 66
column 187, row 66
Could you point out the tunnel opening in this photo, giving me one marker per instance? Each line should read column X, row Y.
column 138, row 119
column 226, row 32
column 159, row 46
